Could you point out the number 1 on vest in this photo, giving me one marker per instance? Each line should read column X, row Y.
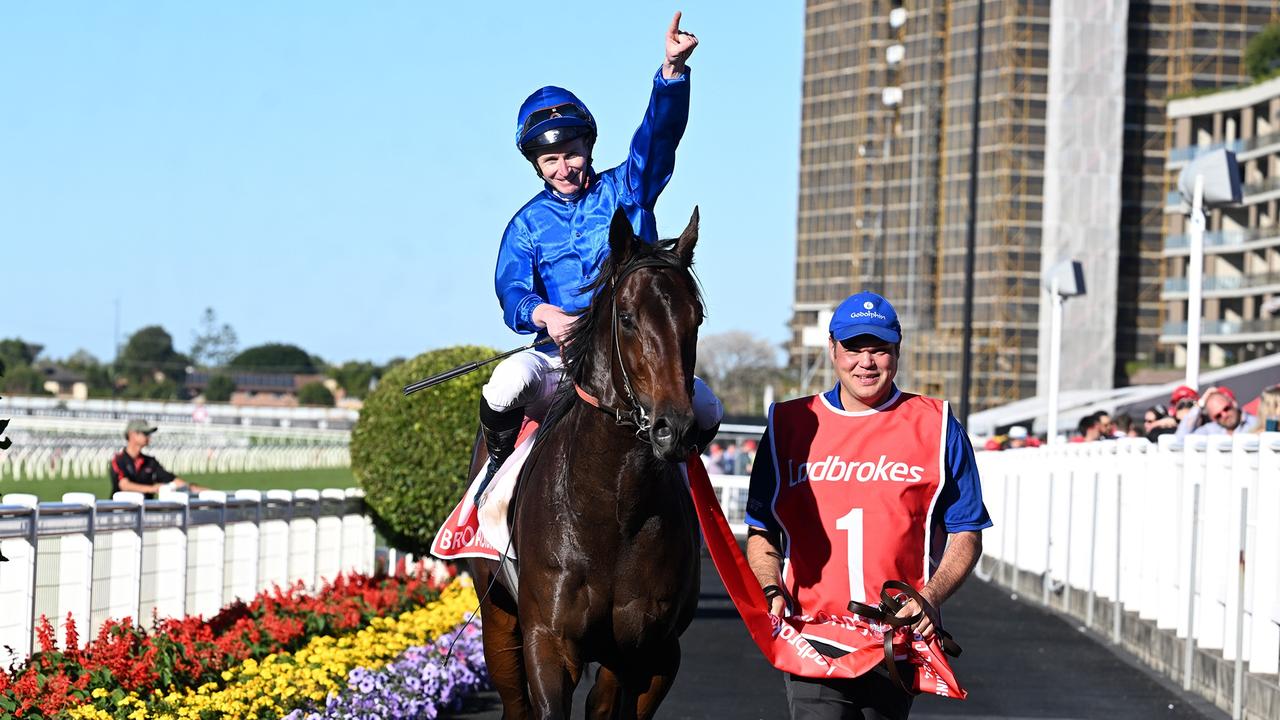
column 852, row 524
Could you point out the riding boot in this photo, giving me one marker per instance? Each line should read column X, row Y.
column 500, row 431
column 702, row 438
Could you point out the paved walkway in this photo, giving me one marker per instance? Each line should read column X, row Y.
column 1019, row 662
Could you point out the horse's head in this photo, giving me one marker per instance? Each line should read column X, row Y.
column 643, row 327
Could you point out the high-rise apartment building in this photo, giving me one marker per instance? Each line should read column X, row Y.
column 1241, row 283
column 884, row 172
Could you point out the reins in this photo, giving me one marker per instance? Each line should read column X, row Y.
column 635, row 414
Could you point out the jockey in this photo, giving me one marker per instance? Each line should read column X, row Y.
column 556, row 243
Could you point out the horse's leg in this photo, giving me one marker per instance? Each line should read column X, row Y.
column 650, row 685
column 554, row 671
column 604, row 702
column 503, row 651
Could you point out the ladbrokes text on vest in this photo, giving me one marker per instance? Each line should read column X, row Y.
column 835, row 469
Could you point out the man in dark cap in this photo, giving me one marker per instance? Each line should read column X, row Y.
column 132, row 471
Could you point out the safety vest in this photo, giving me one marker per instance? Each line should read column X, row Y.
column 855, row 499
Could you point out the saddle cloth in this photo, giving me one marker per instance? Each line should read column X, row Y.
column 481, row 531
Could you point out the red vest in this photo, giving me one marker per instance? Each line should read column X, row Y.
column 855, row 499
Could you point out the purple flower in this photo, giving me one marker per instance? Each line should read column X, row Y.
column 418, row 684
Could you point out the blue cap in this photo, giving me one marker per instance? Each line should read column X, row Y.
column 866, row 313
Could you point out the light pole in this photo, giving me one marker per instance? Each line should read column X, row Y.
column 1212, row 179
column 1066, row 279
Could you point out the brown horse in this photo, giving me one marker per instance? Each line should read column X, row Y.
column 603, row 525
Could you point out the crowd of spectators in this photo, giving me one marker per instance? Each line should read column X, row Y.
column 730, row 458
column 1213, row 412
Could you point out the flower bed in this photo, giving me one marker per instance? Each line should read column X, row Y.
column 283, row 682
column 192, row 652
column 418, row 684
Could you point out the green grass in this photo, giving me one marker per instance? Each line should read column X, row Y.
column 52, row 490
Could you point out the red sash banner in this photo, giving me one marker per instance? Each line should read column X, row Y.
column 784, row 645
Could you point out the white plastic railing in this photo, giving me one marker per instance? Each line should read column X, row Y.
column 89, row 458
column 1172, row 530
column 176, row 556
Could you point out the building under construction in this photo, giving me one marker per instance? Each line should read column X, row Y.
column 884, row 173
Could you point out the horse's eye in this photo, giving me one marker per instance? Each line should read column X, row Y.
column 626, row 321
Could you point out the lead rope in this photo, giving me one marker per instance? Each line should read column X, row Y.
column 639, row 415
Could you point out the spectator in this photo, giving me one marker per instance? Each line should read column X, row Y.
column 1269, row 410
column 1089, row 428
column 1220, row 414
column 713, row 459
column 1106, row 428
column 746, row 458
column 1017, row 437
column 1179, row 397
column 1156, row 422
column 1125, row 427
column 132, row 471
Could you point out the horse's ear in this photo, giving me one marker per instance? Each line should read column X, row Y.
column 687, row 239
column 622, row 238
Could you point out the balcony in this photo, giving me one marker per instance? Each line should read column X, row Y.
column 1224, row 285
column 1233, row 330
column 1178, row 156
column 1224, row 240
column 1245, row 149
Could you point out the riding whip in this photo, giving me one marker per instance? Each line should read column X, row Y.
column 464, row 369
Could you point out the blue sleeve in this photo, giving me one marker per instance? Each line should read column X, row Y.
column 764, row 485
column 514, row 280
column 652, row 157
column 960, row 504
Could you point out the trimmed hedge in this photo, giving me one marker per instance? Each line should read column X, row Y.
column 411, row 454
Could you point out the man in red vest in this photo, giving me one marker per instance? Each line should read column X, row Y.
column 854, row 487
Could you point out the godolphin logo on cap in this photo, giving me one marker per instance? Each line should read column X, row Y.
column 868, row 305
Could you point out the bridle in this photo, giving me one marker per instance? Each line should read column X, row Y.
column 634, row 414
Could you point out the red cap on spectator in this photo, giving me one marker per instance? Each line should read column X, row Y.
column 1227, row 391
column 993, row 444
column 1183, row 392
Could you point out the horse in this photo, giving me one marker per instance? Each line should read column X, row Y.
column 602, row 523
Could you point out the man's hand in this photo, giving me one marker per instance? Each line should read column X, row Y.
column 680, row 45
column 925, row 625
column 557, row 322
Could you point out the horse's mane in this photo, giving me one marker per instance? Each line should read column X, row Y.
column 580, row 344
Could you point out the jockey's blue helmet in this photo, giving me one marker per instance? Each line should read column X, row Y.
column 551, row 116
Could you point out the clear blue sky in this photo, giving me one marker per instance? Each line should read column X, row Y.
column 338, row 175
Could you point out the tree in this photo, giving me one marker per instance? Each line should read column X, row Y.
column 354, row 377
column 1262, row 54
column 148, row 357
column 213, row 345
column 23, row 380
column 274, row 358
column 315, row 393
column 220, row 388
column 738, row 366
column 96, row 375
column 16, row 352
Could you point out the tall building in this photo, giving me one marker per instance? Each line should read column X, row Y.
column 1241, row 316
column 884, row 173
column 1177, row 48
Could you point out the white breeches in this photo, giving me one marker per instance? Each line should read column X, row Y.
column 529, row 379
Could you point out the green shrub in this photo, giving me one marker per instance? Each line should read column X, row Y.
column 220, row 388
column 315, row 393
column 1262, row 54
column 411, row 454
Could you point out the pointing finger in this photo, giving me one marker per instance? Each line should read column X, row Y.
column 675, row 25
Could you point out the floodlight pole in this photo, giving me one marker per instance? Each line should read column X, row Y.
column 1055, row 360
column 1195, row 283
